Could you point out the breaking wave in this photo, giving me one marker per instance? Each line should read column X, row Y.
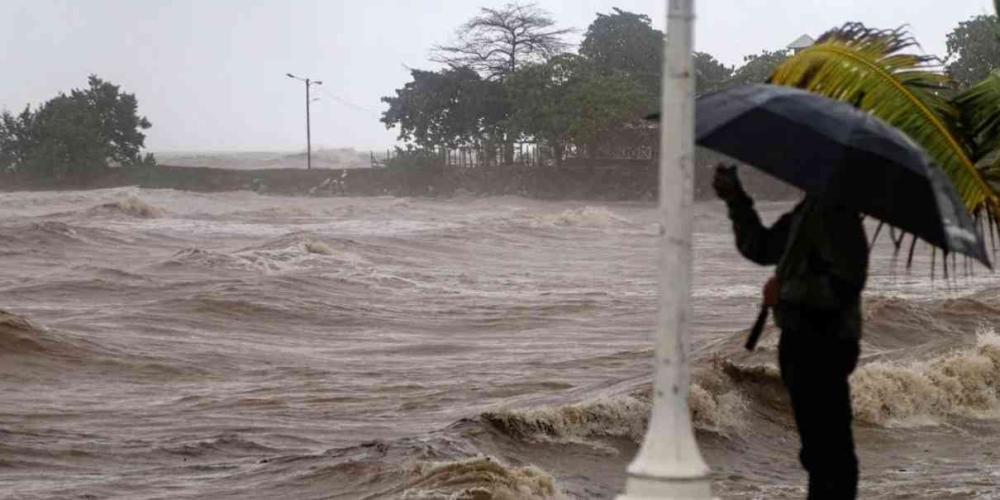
column 286, row 254
column 965, row 382
column 586, row 217
column 885, row 393
column 133, row 206
column 720, row 410
column 479, row 477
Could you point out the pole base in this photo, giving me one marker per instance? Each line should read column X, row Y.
column 654, row 488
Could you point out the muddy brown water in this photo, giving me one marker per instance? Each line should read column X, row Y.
column 164, row 344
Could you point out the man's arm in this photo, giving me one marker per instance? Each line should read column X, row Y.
column 757, row 243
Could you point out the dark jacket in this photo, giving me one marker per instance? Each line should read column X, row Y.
column 822, row 256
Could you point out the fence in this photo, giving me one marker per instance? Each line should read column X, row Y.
column 627, row 146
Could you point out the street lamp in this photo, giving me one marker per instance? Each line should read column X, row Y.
column 669, row 464
column 309, row 83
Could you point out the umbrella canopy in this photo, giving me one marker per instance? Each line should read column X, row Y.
column 831, row 148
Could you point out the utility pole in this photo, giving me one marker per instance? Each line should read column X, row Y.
column 669, row 464
column 309, row 83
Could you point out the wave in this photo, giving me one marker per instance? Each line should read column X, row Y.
column 43, row 234
column 719, row 409
column 278, row 211
column 478, row 477
column 31, row 352
column 53, row 237
column 133, row 206
column 585, row 217
column 727, row 395
column 228, row 444
column 961, row 382
column 18, row 335
column 318, row 247
column 286, row 254
column 622, row 416
column 965, row 382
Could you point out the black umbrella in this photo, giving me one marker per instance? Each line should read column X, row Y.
column 830, row 147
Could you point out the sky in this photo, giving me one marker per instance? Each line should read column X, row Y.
column 210, row 74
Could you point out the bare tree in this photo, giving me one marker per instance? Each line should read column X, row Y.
column 497, row 41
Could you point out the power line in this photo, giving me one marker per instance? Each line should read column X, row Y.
column 347, row 103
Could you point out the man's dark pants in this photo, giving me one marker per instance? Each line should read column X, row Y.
column 815, row 365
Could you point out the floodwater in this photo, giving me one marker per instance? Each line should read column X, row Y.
column 164, row 344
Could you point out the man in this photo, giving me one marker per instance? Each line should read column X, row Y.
column 821, row 253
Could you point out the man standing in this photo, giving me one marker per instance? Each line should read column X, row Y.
column 821, row 253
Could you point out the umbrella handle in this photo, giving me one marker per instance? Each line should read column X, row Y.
column 758, row 327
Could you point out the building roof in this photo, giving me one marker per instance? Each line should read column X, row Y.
column 802, row 42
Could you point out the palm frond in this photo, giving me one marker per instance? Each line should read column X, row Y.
column 869, row 69
column 980, row 112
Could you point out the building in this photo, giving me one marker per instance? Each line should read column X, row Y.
column 801, row 43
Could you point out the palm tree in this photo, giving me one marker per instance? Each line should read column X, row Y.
column 871, row 69
column 980, row 110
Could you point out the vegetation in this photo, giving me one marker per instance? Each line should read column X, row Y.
column 450, row 108
column 499, row 41
column 710, row 75
column 626, row 43
column 974, row 50
column 876, row 71
column 758, row 68
column 509, row 77
column 568, row 102
column 72, row 135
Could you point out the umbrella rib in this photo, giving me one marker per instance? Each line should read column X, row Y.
column 990, row 222
column 933, row 257
column 944, row 262
column 875, row 238
column 898, row 242
column 913, row 245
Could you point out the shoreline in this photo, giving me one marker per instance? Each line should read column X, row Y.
column 621, row 181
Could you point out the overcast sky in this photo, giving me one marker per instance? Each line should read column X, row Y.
column 210, row 74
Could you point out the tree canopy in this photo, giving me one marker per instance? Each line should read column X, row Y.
column 758, row 68
column 626, row 42
column 710, row 74
column 567, row 101
column 75, row 133
column 510, row 77
column 974, row 50
column 451, row 108
column 497, row 42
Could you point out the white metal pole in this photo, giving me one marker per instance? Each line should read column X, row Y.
column 669, row 464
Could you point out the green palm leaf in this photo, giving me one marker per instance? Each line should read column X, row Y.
column 869, row 69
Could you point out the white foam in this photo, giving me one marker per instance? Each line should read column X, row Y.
column 479, row 477
column 963, row 383
column 587, row 216
column 721, row 410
